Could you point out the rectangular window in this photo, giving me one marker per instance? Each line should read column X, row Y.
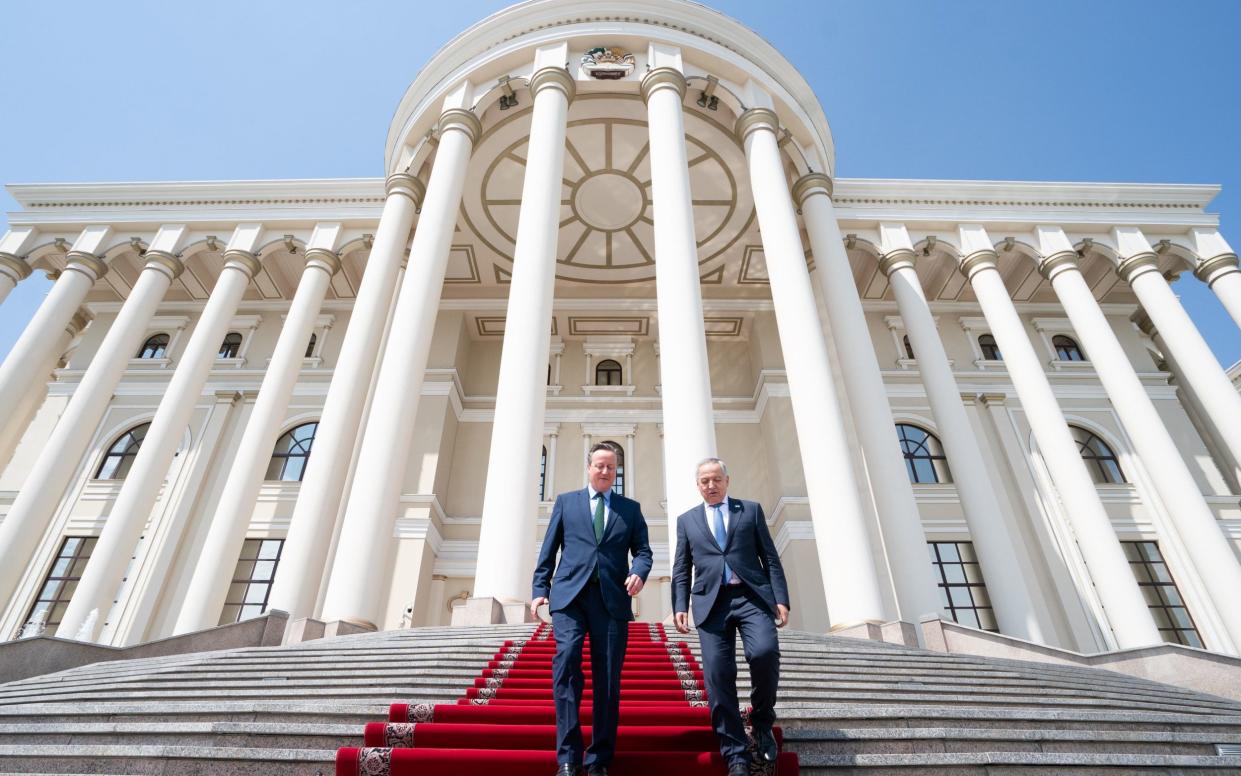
column 961, row 588
column 1162, row 597
column 251, row 587
column 62, row 580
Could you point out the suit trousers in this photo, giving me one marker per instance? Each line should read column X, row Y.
column 738, row 608
column 609, row 638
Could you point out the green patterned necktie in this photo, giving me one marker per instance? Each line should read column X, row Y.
column 598, row 529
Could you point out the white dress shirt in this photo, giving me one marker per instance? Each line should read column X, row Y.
column 709, row 511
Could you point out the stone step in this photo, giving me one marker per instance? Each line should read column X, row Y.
column 990, row 763
column 169, row 760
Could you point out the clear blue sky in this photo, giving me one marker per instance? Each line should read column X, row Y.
column 1108, row 90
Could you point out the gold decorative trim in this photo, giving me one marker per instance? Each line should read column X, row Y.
column 756, row 118
column 462, row 120
column 743, row 276
column 978, row 261
column 474, row 278
column 407, row 185
column 812, row 183
column 713, row 278
column 1214, row 268
column 663, row 78
column 165, row 261
column 242, row 260
column 325, row 259
column 87, row 263
column 1056, row 263
column 581, row 326
column 900, row 258
column 15, row 266
column 722, row 326
column 1137, row 264
column 493, row 325
column 556, row 78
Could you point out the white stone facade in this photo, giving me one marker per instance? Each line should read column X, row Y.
column 538, row 222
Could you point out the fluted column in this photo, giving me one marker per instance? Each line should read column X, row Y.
column 354, row 589
column 1122, row 601
column 204, row 600
column 49, row 478
column 684, row 373
column 12, row 271
column 850, row 579
column 1194, row 520
column 132, row 508
column 1013, row 603
column 903, row 537
column 298, row 578
column 38, row 340
column 510, row 503
column 1219, row 398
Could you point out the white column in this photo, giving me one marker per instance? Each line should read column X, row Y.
column 850, row 579
column 355, row 591
column 1218, row 269
column 43, row 489
column 549, row 479
column 1124, row 606
column 298, row 578
column 38, row 339
column 1219, row 398
column 204, row 600
column 1195, row 522
column 435, row 607
column 1011, row 598
column 132, row 508
column 903, row 537
column 685, row 374
column 13, row 268
column 505, row 542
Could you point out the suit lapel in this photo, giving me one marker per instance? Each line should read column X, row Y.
column 613, row 518
column 734, row 517
column 588, row 512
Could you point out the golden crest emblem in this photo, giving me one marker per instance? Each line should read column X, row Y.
column 608, row 64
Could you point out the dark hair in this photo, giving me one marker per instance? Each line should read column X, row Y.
column 596, row 447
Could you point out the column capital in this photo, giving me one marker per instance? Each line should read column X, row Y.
column 407, row 185
column 462, row 120
column 326, row 260
column 901, row 258
column 1056, row 263
column 1137, row 264
column 554, row 78
column 87, row 263
column 1209, row 270
column 14, row 267
column 754, row 119
column 245, row 261
column 165, row 262
column 812, row 183
column 1144, row 323
column 976, row 262
column 663, row 78
column 992, row 399
column 78, row 322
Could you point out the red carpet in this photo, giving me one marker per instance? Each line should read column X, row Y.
column 506, row 723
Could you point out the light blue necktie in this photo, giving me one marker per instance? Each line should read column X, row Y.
column 720, row 537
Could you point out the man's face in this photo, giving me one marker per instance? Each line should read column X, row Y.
column 712, row 483
column 602, row 470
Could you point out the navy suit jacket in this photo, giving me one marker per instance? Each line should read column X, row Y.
column 572, row 532
column 748, row 547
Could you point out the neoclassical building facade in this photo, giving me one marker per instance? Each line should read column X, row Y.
column 354, row 400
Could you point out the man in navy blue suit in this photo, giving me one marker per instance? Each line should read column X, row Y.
column 595, row 532
column 738, row 585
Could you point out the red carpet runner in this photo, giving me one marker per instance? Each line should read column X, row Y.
column 506, row 722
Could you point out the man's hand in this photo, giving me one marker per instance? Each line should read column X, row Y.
column 782, row 615
column 681, row 621
column 535, row 604
column 633, row 584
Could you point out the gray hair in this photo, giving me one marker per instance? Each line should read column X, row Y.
column 705, row 461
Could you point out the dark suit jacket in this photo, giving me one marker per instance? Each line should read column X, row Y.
column 748, row 548
column 572, row 532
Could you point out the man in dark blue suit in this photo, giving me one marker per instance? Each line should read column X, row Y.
column 595, row 532
column 738, row 585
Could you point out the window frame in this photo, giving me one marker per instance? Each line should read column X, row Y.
column 75, row 561
column 970, row 580
column 609, row 366
column 126, row 456
column 304, row 449
column 158, row 355
column 251, row 581
column 938, row 461
column 1095, row 461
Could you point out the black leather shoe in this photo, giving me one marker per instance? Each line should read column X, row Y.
column 567, row 769
column 597, row 770
column 765, row 743
column 739, row 768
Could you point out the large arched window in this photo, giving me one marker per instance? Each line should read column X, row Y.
column 619, row 485
column 990, row 350
column 121, row 454
column 156, row 346
column 1100, row 459
column 924, row 455
column 231, row 345
column 288, row 460
column 1067, row 349
column 608, row 372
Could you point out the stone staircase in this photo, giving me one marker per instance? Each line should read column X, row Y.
column 847, row 705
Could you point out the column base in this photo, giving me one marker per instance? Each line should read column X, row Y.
column 491, row 611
